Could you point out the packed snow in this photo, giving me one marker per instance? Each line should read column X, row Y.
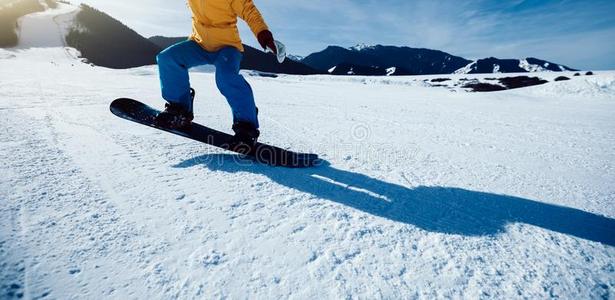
column 423, row 192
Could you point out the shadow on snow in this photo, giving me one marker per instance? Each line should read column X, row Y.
column 437, row 209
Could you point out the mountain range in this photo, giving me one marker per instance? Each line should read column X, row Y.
column 105, row 41
column 397, row 60
column 391, row 60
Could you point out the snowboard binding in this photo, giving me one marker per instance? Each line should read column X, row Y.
column 176, row 116
column 245, row 138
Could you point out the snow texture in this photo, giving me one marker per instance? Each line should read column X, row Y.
column 425, row 193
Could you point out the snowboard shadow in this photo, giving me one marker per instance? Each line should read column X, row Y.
column 436, row 209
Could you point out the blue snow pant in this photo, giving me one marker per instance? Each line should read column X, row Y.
column 173, row 65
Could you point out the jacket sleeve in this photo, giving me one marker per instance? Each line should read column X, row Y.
column 247, row 11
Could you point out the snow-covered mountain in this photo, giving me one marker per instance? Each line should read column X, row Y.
column 361, row 47
column 297, row 58
column 10, row 12
column 425, row 193
column 495, row 65
column 374, row 60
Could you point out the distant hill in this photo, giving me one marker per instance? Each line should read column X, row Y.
column 253, row 59
column 410, row 61
column 10, row 11
column 105, row 41
column 391, row 60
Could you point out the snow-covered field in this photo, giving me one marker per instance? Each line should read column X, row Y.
column 425, row 193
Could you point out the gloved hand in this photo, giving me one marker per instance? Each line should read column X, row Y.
column 265, row 38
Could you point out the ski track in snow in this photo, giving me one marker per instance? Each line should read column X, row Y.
column 426, row 194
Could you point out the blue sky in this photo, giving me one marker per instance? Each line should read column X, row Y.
column 578, row 33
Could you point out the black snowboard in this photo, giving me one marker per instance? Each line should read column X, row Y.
column 136, row 111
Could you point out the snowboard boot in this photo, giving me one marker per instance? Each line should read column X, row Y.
column 246, row 136
column 175, row 116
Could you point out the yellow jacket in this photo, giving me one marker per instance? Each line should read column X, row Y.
column 214, row 22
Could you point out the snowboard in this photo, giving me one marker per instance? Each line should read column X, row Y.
column 138, row 112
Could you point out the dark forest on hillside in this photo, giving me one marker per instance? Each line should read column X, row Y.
column 107, row 42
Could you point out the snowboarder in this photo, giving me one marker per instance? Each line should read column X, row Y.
column 215, row 40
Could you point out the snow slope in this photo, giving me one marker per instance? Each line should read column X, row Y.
column 47, row 28
column 425, row 193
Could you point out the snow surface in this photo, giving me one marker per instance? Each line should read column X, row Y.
column 426, row 193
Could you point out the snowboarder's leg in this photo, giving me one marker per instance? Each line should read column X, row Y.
column 234, row 87
column 173, row 65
